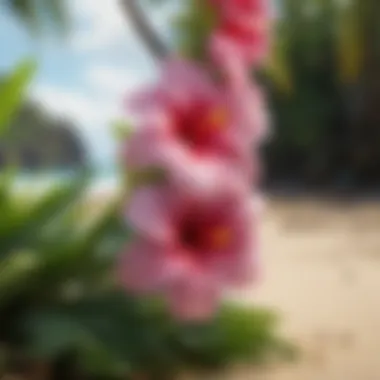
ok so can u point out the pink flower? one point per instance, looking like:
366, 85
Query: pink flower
243, 31
190, 249
200, 133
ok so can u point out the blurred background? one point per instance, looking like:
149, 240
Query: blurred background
66, 67
321, 80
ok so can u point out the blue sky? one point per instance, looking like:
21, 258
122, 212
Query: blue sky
86, 76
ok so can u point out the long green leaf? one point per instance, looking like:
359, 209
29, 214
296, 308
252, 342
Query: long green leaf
84, 254
57, 14
25, 10
22, 226
37, 14
12, 91
16, 273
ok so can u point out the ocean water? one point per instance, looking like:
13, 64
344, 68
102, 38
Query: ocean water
102, 181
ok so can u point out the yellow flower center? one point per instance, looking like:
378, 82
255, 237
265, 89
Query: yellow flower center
220, 237
217, 118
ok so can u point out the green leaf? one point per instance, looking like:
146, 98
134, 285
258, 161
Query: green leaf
16, 272
6, 182
143, 177
278, 67
350, 41
12, 91
193, 27
37, 14
122, 130
57, 12
111, 325
114, 334
237, 334
26, 10
22, 225
85, 254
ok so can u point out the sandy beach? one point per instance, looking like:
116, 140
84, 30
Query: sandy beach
322, 273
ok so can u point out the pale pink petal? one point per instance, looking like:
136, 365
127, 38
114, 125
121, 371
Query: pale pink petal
258, 206
241, 266
238, 154
238, 271
150, 213
188, 172
143, 267
259, 115
179, 83
249, 165
192, 78
143, 100
246, 53
249, 109
143, 148
206, 178
255, 168
228, 57
193, 297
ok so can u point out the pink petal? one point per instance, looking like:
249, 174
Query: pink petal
180, 82
143, 267
249, 110
142, 101
144, 146
237, 271
150, 213
193, 297
240, 263
235, 52
192, 78
228, 57
206, 177
239, 157
189, 173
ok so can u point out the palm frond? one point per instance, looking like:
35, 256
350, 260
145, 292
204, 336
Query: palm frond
39, 14
12, 90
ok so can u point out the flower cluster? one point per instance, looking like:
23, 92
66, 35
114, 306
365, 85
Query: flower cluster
243, 31
197, 227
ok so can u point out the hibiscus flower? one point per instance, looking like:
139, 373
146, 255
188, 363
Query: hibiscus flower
190, 249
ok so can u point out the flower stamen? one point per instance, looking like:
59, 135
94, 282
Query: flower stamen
216, 118
220, 237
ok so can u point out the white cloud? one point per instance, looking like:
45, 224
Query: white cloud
100, 23
64, 102
112, 80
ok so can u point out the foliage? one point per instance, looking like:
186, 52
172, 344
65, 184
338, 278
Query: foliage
58, 298
306, 118
193, 27
59, 303
12, 89
114, 335
41, 14
327, 128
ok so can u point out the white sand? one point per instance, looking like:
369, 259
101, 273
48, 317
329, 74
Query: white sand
322, 273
